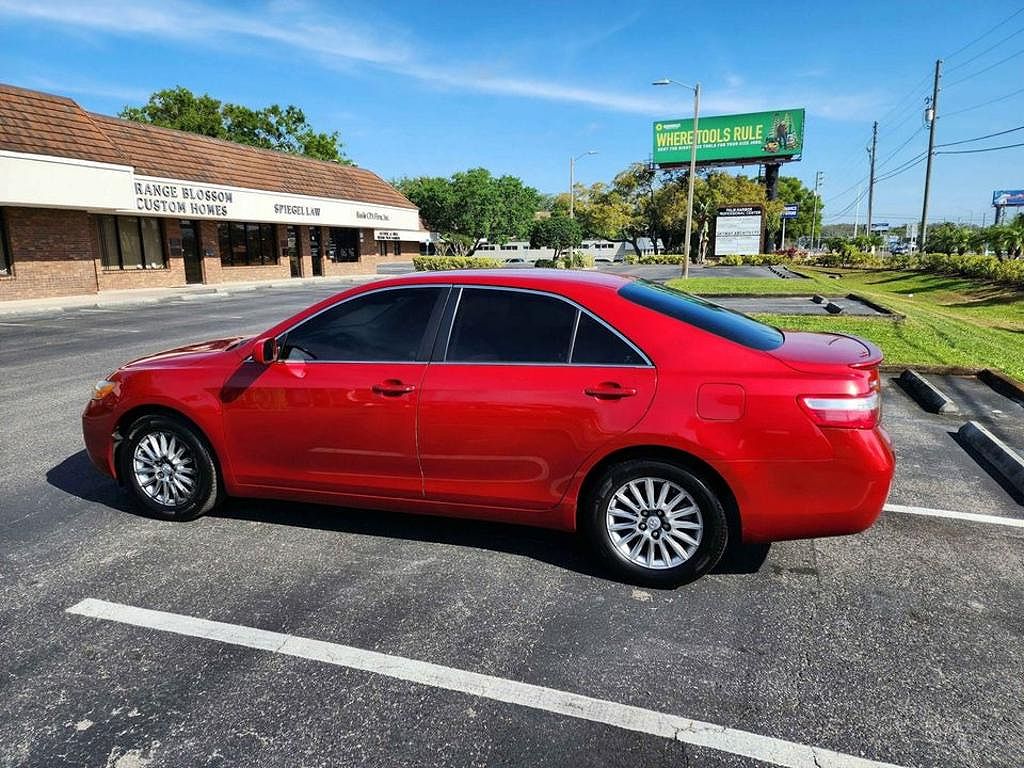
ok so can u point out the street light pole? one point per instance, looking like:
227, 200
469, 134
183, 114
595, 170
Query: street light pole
693, 167
572, 181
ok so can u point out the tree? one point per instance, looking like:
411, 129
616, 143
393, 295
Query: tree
716, 189
473, 206
558, 232
273, 127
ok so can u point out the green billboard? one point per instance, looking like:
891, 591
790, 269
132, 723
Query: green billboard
755, 137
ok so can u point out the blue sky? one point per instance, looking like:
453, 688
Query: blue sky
435, 87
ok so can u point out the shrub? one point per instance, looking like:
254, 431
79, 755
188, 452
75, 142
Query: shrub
544, 263
650, 258
730, 261
439, 263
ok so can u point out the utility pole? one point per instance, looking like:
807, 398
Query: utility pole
814, 216
871, 182
932, 115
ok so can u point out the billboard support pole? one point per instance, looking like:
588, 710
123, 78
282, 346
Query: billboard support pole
771, 192
934, 110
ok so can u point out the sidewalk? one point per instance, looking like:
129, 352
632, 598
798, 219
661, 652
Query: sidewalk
154, 295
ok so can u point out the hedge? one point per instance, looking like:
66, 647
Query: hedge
439, 263
577, 260
661, 258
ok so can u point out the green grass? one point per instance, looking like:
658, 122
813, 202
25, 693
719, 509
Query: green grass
949, 320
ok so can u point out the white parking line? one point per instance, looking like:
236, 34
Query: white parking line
1011, 522
744, 743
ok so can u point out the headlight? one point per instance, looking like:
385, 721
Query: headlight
103, 388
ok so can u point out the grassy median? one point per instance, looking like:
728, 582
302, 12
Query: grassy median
949, 320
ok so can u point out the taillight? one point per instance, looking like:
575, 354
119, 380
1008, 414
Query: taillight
861, 412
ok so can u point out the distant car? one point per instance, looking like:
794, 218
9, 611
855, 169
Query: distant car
602, 260
515, 260
660, 425
897, 249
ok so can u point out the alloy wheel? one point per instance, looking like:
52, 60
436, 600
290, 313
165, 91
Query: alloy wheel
654, 523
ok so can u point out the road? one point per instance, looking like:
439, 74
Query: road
903, 645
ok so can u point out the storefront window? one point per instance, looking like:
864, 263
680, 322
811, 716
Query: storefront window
382, 247
247, 245
343, 244
131, 242
396, 247
5, 249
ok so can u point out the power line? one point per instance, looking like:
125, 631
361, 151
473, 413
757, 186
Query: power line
986, 69
979, 138
900, 147
985, 103
983, 35
905, 167
992, 47
972, 151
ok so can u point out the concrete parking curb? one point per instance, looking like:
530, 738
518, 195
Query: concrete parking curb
1006, 461
927, 395
1003, 384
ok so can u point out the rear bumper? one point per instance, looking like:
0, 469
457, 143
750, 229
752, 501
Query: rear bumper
799, 500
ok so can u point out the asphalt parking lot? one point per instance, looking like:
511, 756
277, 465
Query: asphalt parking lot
458, 643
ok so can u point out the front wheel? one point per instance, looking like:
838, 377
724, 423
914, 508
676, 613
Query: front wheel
655, 523
169, 469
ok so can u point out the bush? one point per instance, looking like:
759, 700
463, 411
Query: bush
439, 263
730, 261
650, 258
544, 263
575, 260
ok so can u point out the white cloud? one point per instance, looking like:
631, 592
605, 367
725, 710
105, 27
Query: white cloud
337, 43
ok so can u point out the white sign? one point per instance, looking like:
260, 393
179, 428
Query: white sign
173, 197
386, 234
738, 231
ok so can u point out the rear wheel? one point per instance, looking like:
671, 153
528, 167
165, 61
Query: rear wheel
655, 523
169, 469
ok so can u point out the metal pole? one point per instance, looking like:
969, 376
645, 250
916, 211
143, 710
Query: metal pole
934, 109
572, 184
693, 173
814, 214
856, 215
871, 182
783, 232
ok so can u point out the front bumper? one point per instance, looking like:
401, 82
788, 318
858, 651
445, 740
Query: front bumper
98, 427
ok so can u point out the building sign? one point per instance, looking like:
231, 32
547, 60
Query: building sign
174, 197
182, 199
790, 211
1008, 197
880, 226
386, 234
738, 230
755, 137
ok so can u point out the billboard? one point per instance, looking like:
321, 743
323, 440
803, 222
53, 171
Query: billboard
738, 230
756, 137
1008, 197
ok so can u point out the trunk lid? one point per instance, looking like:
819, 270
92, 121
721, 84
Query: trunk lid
818, 352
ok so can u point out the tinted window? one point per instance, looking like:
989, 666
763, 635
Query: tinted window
386, 325
703, 314
596, 345
510, 327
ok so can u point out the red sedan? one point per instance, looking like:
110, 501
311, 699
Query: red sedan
660, 425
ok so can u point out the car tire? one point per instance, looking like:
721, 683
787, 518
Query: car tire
654, 523
169, 469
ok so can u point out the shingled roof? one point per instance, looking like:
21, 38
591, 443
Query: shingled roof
45, 124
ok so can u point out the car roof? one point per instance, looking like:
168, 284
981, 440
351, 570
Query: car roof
539, 279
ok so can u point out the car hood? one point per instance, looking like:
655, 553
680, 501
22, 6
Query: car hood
187, 354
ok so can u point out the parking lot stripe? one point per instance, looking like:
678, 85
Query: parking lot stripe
1011, 522
767, 749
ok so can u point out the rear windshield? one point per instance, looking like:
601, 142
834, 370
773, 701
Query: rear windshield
703, 314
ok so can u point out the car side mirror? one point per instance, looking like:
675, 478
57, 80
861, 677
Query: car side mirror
265, 351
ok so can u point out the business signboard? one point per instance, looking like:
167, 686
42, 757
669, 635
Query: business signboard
739, 230
755, 137
880, 226
1012, 197
790, 211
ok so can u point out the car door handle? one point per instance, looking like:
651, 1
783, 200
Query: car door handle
392, 387
609, 390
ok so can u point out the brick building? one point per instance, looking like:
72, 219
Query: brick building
91, 203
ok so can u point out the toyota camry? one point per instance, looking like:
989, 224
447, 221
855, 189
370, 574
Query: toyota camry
659, 425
